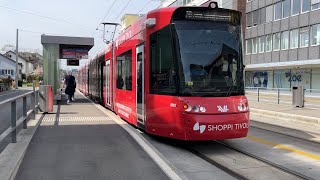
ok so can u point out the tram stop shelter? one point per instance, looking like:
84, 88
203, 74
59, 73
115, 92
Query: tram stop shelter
62, 47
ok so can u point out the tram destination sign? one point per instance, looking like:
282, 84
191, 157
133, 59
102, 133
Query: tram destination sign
229, 17
74, 53
72, 62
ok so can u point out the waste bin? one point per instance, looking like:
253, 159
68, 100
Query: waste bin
46, 98
298, 96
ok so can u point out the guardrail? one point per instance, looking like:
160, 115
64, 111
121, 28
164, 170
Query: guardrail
282, 95
26, 115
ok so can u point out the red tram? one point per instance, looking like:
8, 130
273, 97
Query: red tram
177, 73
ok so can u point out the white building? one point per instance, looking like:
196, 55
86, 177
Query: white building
27, 67
8, 67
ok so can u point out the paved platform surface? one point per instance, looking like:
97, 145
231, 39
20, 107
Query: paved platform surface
78, 141
302, 123
305, 111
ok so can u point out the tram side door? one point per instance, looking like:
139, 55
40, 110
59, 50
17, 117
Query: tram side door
140, 85
108, 88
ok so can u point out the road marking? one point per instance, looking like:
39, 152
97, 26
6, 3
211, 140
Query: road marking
279, 146
149, 149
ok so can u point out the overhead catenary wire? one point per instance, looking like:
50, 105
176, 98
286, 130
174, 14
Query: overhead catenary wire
47, 17
106, 14
46, 33
120, 14
132, 18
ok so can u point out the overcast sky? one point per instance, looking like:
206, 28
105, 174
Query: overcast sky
62, 17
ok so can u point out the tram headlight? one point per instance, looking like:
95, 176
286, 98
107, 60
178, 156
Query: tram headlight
196, 108
202, 109
187, 107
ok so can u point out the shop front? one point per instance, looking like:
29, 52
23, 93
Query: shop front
284, 75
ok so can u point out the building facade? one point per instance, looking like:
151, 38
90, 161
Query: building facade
282, 43
127, 20
7, 67
27, 66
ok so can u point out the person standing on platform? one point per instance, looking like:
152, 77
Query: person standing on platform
71, 87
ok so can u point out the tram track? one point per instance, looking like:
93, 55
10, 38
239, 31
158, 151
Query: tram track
218, 165
279, 167
260, 165
288, 135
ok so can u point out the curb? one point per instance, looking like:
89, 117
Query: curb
12, 156
284, 116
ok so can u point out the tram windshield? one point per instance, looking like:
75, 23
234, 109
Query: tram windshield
209, 58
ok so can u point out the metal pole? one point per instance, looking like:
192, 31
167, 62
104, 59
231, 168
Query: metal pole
33, 101
17, 52
258, 94
14, 121
278, 96
25, 112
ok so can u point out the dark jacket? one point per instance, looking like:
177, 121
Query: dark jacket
71, 85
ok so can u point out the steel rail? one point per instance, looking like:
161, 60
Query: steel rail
216, 164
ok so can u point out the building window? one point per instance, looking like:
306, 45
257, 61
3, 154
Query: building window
255, 18
295, 7
315, 34
249, 19
262, 41
269, 43
259, 79
294, 38
285, 40
286, 4
254, 45
248, 46
124, 71
315, 78
315, 4
277, 11
304, 37
276, 41
262, 15
305, 6
269, 13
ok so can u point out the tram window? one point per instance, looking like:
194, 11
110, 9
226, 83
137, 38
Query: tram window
163, 75
124, 71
